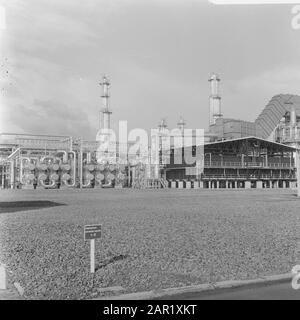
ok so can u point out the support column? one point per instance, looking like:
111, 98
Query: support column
180, 184
259, 184
201, 184
133, 170
298, 171
247, 184
12, 174
2, 177
188, 184
173, 184
195, 184
283, 184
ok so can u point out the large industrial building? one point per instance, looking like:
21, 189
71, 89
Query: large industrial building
235, 154
249, 162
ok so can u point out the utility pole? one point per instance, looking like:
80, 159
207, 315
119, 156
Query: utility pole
80, 164
298, 171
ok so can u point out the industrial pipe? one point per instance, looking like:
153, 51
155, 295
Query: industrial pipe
22, 167
65, 155
99, 178
42, 179
110, 178
89, 177
107, 185
74, 172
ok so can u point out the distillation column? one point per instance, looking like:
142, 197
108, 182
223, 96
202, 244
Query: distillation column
105, 112
214, 99
104, 134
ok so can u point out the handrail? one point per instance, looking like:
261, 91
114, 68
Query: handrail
243, 176
248, 164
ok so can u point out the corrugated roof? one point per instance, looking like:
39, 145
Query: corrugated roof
252, 137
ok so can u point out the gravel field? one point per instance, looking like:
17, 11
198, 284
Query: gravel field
152, 239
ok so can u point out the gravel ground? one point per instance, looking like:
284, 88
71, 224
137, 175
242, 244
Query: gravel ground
151, 239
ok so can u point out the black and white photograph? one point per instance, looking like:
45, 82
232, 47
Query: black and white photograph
149, 153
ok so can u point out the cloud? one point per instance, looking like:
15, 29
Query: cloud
283, 79
158, 55
246, 98
49, 117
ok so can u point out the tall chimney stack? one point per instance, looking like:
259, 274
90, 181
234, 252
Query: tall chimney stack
214, 99
105, 111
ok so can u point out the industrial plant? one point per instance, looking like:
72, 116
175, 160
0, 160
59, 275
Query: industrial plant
234, 154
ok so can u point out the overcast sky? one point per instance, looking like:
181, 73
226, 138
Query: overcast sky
158, 55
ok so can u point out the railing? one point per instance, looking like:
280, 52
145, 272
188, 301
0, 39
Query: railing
246, 177
224, 164
282, 165
155, 183
164, 183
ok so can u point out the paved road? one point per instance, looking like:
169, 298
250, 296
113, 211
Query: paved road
277, 291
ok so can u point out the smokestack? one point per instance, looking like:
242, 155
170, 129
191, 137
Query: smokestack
105, 112
214, 99
181, 124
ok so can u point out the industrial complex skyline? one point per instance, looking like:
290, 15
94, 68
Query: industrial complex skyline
158, 55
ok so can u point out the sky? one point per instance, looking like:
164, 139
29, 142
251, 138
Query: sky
158, 55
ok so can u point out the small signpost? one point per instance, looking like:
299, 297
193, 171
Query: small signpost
92, 232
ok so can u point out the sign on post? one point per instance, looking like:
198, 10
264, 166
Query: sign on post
92, 232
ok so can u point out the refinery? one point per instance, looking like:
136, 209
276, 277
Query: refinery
235, 154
